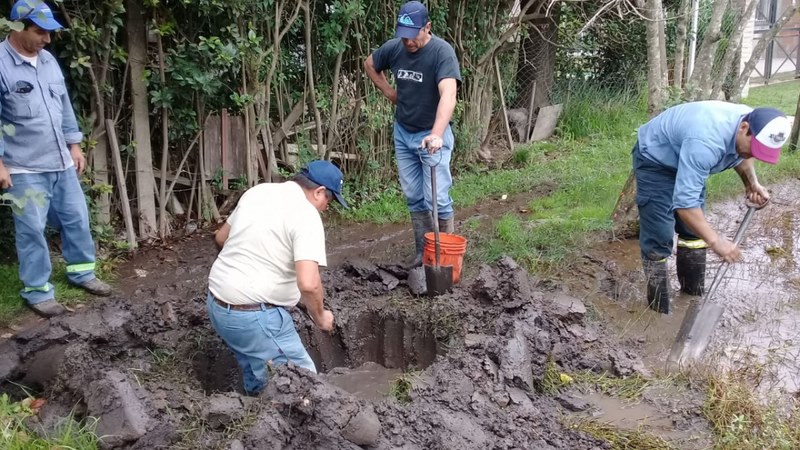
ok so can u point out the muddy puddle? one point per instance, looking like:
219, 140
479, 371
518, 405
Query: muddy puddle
369, 381
759, 333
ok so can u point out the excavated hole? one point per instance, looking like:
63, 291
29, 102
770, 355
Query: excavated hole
393, 342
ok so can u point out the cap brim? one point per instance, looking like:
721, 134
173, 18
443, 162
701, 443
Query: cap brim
46, 23
340, 199
406, 32
763, 153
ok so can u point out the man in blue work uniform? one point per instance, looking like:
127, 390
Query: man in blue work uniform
674, 155
43, 155
427, 75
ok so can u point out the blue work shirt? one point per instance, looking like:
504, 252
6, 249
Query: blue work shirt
694, 140
34, 100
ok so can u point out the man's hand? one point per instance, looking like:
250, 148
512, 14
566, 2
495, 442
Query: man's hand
77, 158
432, 142
757, 195
325, 320
726, 250
5, 177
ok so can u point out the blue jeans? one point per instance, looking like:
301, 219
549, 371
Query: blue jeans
413, 166
64, 207
258, 338
658, 221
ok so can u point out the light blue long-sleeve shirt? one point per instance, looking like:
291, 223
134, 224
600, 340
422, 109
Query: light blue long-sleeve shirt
35, 101
695, 140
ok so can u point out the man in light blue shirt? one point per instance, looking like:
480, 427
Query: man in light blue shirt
43, 156
674, 155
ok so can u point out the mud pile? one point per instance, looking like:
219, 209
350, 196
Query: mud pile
155, 375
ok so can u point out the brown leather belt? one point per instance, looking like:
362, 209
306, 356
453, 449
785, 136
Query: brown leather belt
242, 307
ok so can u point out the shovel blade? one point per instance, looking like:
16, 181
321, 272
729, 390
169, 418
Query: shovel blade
438, 279
695, 334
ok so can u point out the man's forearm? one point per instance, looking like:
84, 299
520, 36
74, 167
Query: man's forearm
444, 112
313, 301
378, 78
696, 221
747, 172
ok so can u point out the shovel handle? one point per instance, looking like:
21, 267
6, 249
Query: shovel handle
737, 239
435, 207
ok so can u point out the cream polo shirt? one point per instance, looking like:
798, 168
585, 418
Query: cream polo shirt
273, 226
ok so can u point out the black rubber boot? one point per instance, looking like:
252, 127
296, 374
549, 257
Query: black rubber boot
447, 225
658, 295
690, 264
422, 223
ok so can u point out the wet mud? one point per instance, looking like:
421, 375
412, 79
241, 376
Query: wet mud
147, 365
758, 336
155, 375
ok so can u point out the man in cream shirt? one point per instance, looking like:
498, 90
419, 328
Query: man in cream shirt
271, 248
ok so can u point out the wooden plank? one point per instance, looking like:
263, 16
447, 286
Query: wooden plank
111, 132
225, 146
528, 124
294, 150
183, 181
282, 132
212, 143
238, 153
502, 96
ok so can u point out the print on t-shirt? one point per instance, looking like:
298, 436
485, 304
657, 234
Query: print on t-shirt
403, 74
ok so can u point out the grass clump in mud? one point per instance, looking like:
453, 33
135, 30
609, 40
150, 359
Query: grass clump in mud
628, 388
402, 386
742, 421
553, 380
15, 435
621, 439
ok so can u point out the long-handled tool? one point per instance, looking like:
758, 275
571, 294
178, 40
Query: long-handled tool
438, 278
702, 317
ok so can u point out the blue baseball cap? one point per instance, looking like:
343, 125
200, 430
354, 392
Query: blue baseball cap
411, 18
770, 129
37, 12
324, 173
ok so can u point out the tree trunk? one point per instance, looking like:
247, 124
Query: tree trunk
794, 138
624, 219
145, 183
312, 95
536, 64
655, 42
701, 78
680, 43
625, 215
162, 201
734, 46
759, 50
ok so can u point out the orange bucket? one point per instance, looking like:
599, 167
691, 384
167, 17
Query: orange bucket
451, 252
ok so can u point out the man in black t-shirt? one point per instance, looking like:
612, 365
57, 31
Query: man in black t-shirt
427, 76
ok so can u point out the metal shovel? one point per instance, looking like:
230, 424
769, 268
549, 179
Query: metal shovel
702, 317
438, 279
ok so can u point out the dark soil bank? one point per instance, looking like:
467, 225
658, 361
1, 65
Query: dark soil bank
155, 375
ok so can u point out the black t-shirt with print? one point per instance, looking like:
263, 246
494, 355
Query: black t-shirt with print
417, 76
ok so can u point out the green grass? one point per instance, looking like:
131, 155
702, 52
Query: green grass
620, 439
783, 96
742, 421
14, 435
12, 305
